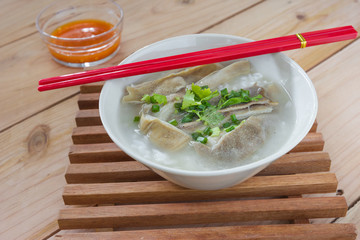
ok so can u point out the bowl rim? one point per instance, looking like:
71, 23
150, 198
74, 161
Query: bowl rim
208, 173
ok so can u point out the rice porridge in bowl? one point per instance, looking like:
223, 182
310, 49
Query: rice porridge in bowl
211, 126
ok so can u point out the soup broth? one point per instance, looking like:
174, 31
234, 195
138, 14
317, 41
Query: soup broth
278, 124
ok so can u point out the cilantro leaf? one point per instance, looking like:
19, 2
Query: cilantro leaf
189, 100
213, 94
155, 98
158, 98
212, 117
200, 92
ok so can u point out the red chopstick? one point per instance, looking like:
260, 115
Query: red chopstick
202, 57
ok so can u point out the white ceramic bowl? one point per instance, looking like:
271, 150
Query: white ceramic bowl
276, 67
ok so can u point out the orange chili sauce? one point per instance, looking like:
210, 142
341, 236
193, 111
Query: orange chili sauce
78, 49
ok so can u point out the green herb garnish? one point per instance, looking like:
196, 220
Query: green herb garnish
196, 101
236, 97
188, 118
199, 137
215, 131
202, 140
226, 125
146, 98
155, 108
212, 117
157, 98
207, 131
229, 129
136, 118
173, 122
196, 135
199, 104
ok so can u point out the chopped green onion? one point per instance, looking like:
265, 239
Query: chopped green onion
229, 129
187, 118
173, 122
202, 140
136, 118
146, 98
201, 107
196, 135
227, 124
207, 131
155, 108
233, 118
224, 92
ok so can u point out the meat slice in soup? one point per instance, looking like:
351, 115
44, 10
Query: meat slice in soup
245, 110
225, 74
171, 83
167, 112
244, 140
209, 110
163, 134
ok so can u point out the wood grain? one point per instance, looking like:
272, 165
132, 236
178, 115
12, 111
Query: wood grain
88, 117
32, 172
279, 18
98, 171
258, 232
338, 116
168, 214
89, 100
109, 172
32, 182
165, 191
100, 152
352, 216
145, 22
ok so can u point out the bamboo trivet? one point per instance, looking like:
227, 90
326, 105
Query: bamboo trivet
112, 191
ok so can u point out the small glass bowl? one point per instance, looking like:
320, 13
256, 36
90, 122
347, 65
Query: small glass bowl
89, 49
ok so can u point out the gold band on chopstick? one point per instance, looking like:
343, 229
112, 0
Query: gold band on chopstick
302, 40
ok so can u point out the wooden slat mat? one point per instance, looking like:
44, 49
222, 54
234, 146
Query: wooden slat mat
115, 197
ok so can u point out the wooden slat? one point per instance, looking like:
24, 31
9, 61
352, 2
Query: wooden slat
89, 100
88, 117
314, 126
91, 88
99, 152
299, 162
89, 135
170, 214
312, 142
109, 172
165, 191
299, 220
257, 232
99, 172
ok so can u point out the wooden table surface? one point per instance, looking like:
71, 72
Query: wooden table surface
35, 128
